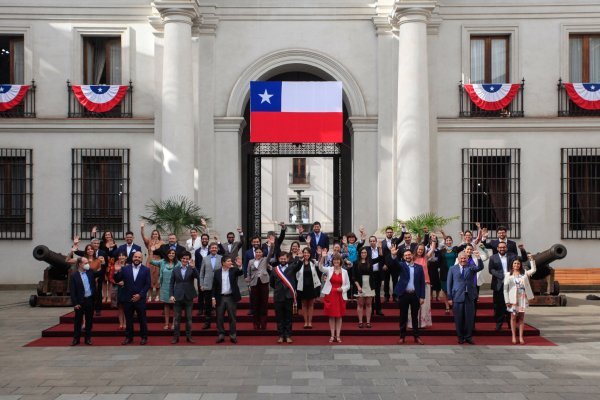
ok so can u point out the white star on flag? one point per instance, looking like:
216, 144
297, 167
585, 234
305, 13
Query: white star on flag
593, 87
1, 89
100, 89
265, 97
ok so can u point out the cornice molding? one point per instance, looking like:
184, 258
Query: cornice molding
363, 124
229, 125
512, 125
78, 126
409, 11
178, 11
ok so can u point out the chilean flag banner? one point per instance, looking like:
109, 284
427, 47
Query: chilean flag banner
585, 95
11, 95
99, 98
296, 112
492, 96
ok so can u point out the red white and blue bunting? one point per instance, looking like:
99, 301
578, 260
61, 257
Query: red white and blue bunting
493, 96
11, 95
585, 95
99, 98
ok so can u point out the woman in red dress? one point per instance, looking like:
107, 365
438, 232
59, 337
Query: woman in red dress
335, 288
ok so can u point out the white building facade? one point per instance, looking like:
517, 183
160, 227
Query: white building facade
413, 140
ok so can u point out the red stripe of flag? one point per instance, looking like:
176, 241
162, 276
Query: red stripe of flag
300, 127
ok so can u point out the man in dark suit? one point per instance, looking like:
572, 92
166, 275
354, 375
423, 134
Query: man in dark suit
283, 282
232, 247
226, 295
462, 294
277, 243
103, 257
172, 244
199, 255
136, 279
82, 290
182, 293
315, 239
511, 246
390, 273
407, 244
210, 263
128, 248
410, 291
499, 265
375, 254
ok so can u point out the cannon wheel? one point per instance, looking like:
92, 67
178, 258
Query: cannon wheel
563, 301
556, 288
33, 300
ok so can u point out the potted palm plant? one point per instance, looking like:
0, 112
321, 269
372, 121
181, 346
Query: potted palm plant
422, 223
174, 215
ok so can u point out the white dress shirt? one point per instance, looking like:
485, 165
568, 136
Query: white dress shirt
225, 286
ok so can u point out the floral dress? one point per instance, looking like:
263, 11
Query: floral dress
522, 302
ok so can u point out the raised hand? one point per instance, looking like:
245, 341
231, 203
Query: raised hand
394, 250
238, 261
203, 222
239, 229
300, 229
521, 246
344, 240
308, 239
530, 256
142, 224
324, 252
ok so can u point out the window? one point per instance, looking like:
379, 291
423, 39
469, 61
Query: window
299, 205
584, 58
491, 189
101, 60
15, 193
490, 59
100, 180
299, 175
12, 64
580, 193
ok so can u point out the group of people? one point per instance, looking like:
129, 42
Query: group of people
347, 270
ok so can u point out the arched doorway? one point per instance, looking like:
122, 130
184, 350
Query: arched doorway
253, 153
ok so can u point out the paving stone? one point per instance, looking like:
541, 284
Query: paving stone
274, 389
183, 396
307, 375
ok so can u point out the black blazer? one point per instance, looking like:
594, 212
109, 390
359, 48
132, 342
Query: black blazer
280, 291
495, 268
493, 244
233, 282
387, 252
76, 288
132, 287
182, 288
357, 274
164, 249
379, 260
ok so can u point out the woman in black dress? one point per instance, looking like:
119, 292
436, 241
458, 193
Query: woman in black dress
309, 286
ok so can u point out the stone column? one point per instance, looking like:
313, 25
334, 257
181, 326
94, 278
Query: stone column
177, 99
412, 160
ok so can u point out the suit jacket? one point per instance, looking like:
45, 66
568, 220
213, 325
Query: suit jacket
458, 284
493, 244
323, 242
387, 255
205, 278
403, 247
123, 248
497, 271
164, 249
76, 288
404, 278
235, 248
379, 259
510, 287
280, 291
182, 288
132, 287
277, 250
217, 284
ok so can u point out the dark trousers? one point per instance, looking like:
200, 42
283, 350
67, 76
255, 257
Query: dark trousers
464, 317
377, 275
87, 310
475, 307
177, 307
138, 307
260, 304
283, 314
409, 300
499, 307
389, 275
228, 304
201, 300
98, 296
207, 295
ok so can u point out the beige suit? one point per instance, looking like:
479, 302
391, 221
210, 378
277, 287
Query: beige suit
510, 288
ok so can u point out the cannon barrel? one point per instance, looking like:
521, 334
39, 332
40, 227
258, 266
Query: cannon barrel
59, 268
555, 252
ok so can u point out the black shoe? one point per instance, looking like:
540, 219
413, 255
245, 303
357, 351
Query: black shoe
250, 312
418, 340
220, 339
395, 298
206, 326
98, 313
200, 313
75, 342
189, 339
379, 313
470, 341
175, 340
143, 341
461, 341
88, 342
126, 341
498, 327
386, 300
233, 340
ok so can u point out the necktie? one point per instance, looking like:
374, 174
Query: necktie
462, 272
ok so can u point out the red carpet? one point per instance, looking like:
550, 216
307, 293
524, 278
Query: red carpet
384, 331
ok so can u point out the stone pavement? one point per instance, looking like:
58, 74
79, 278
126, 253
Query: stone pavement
568, 371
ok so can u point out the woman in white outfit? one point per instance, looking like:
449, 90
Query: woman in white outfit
517, 293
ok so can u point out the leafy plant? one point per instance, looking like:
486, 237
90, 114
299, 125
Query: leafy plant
417, 224
174, 215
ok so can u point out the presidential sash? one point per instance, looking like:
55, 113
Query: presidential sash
289, 285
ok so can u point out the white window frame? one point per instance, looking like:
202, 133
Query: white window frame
565, 32
512, 31
25, 30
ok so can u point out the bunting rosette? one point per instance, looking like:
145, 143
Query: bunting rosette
11, 95
492, 96
99, 98
585, 95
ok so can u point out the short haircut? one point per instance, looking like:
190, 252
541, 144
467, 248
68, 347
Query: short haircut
255, 237
230, 233
501, 228
316, 223
204, 235
121, 253
283, 254
387, 228
213, 244
186, 253
128, 233
224, 259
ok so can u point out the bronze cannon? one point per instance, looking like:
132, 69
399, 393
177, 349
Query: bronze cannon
546, 289
54, 289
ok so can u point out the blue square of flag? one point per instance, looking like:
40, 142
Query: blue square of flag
265, 96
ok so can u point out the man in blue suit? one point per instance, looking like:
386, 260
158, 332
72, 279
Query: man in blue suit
410, 291
315, 239
462, 293
136, 278
128, 248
